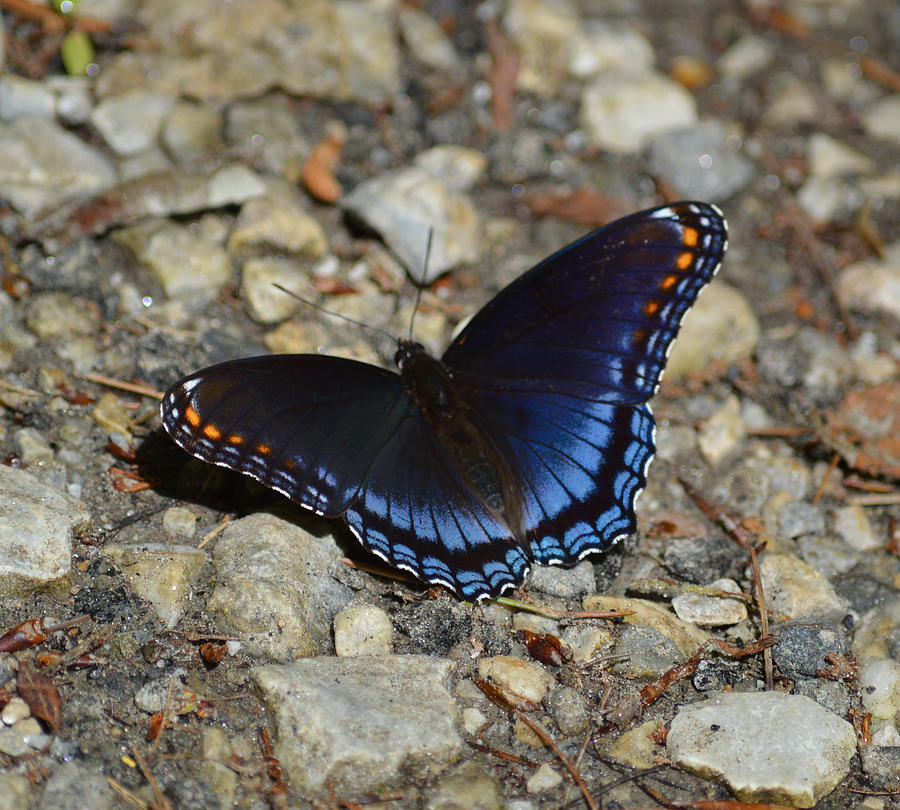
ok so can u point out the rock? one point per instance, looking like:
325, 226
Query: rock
882, 119
426, 40
42, 165
543, 779
570, 710
879, 685
541, 33
803, 646
873, 285
433, 627
711, 611
279, 223
721, 326
362, 629
191, 131
687, 637
852, 525
565, 583
797, 590
36, 525
404, 206
275, 588
25, 98
830, 158
696, 559
364, 723
599, 46
881, 764
723, 434
766, 747
747, 55
190, 268
179, 522
15, 790
73, 785
59, 316
701, 162
267, 304
798, 517
131, 122
466, 788
523, 679
647, 652
456, 166
637, 747
164, 574
623, 113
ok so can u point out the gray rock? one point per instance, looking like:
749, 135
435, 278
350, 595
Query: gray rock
881, 764
36, 524
435, 627
748, 55
570, 710
700, 162
191, 131
767, 747
404, 205
565, 583
711, 611
426, 41
131, 122
275, 588
269, 130
696, 559
798, 517
364, 723
802, 647
43, 165
24, 98
648, 653
75, 785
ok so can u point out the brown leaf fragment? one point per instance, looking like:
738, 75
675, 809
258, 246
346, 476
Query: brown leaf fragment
865, 429
317, 173
546, 648
584, 206
42, 697
24, 635
502, 78
841, 667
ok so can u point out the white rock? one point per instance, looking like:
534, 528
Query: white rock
724, 433
852, 524
363, 630
543, 779
830, 158
767, 747
711, 611
622, 113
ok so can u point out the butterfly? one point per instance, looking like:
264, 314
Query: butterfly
528, 441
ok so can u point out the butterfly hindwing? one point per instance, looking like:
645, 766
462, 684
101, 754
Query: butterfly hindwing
343, 439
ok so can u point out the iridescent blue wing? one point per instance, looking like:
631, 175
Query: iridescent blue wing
343, 439
558, 368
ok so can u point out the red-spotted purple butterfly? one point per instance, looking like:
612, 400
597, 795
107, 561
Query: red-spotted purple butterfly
528, 440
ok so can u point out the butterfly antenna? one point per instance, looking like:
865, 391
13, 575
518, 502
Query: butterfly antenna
334, 314
421, 284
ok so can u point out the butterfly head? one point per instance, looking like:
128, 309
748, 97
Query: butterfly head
407, 349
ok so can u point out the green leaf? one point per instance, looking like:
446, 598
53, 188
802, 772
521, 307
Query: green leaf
77, 52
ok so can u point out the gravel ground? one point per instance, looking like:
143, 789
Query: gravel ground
180, 636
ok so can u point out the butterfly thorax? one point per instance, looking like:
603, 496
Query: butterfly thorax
429, 383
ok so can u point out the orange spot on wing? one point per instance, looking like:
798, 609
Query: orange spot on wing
263, 449
235, 438
668, 282
651, 308
685, 260
192, 416
691, 237
639, 335
212, 432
